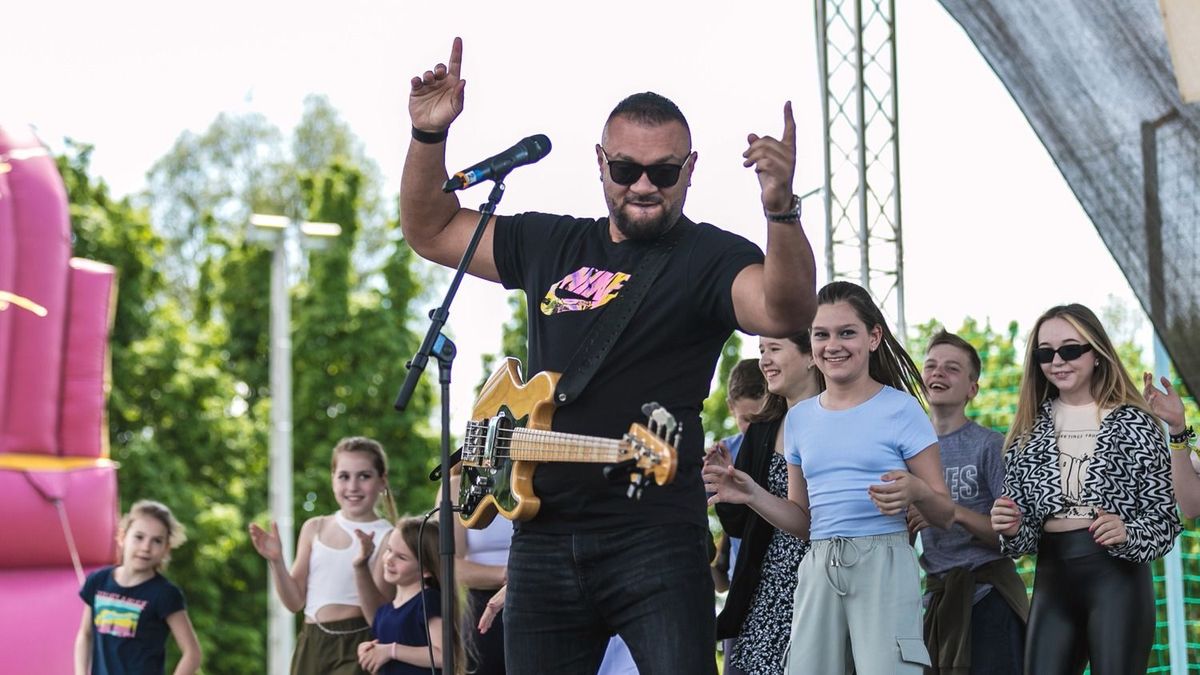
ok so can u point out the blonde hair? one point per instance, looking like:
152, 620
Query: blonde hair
147, 508
1111, 385
378, 457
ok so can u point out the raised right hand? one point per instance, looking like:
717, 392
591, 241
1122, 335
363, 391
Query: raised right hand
266, 543
436, 98
1006, 517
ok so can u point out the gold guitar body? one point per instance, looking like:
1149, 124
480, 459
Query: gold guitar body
509, 435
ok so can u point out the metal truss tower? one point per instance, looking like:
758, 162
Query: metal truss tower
856, 43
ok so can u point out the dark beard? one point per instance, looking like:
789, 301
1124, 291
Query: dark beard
646, 230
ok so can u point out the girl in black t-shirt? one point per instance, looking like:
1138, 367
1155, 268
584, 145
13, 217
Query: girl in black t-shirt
132, 607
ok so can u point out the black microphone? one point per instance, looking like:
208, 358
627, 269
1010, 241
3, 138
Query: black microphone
527, 151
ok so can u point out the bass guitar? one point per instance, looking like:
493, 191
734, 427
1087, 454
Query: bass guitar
509, 435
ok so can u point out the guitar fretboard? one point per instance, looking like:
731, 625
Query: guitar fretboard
537, 445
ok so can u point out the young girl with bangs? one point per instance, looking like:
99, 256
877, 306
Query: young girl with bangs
859, 455
1087, 488
330, 578
132, 607
758, 608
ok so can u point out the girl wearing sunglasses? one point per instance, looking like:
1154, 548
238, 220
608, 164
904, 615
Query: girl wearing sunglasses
1087, 488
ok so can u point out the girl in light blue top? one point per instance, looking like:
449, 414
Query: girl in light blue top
859, 455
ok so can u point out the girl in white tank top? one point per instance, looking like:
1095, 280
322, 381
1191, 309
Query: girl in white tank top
329, 580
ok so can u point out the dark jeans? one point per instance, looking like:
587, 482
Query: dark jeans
568, 593
997, 637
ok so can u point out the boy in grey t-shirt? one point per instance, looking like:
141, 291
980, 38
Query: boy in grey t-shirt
976, 603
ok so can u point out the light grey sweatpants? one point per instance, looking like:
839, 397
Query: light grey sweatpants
858, 607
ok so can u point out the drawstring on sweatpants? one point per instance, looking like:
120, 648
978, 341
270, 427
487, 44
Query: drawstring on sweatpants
835, 557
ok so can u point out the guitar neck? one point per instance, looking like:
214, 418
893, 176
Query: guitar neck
535, 445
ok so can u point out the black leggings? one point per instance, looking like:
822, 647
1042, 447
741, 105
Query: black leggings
1088, 605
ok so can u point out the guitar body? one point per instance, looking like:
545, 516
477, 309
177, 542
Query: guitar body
492, 482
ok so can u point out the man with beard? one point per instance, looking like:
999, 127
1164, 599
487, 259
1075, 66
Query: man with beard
594, 562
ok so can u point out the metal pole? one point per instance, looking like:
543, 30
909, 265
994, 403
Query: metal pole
281, 625
1173, 562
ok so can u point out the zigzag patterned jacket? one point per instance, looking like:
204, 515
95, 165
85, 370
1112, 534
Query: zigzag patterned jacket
1129, 475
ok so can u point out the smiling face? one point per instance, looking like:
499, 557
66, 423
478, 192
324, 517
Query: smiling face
643, 210
842, 343
786, 368
399, 562
144, 545
947, 376
357, 484
1072, 378
742, 409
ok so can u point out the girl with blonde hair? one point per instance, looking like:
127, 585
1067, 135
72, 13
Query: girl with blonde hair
1087, 488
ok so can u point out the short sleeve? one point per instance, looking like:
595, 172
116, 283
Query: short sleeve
993, 463
913, 430
432, 597
88, 592
716, 258
171, 600
517, 238
791, 448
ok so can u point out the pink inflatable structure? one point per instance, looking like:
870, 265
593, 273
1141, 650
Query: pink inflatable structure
58, 489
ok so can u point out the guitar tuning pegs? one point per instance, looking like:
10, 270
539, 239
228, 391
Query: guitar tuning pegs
660, 420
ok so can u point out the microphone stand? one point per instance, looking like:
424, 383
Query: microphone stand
438, 345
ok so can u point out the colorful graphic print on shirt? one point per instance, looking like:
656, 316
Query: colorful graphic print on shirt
584, 289
116, 614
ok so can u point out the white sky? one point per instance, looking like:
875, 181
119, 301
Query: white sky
991, 230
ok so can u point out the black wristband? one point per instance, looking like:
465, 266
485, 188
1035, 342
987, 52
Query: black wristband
428, 137
1183, 436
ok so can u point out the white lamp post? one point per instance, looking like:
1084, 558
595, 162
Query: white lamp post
273, 231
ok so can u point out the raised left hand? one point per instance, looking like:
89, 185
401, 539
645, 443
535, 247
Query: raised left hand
898, 490
775, 163
1166, 403
1108, 529
365, 550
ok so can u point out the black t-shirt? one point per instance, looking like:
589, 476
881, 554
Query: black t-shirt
129, 624
569, 269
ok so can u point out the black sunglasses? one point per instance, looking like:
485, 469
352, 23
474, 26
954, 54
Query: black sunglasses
627, 173
1045, 355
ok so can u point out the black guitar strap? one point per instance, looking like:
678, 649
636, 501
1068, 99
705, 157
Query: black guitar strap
592, 351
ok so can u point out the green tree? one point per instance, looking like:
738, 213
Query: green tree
718, 423
176, 424
351, 343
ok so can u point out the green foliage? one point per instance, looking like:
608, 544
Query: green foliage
1000, 376
175, 428
350, 345
718, 423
